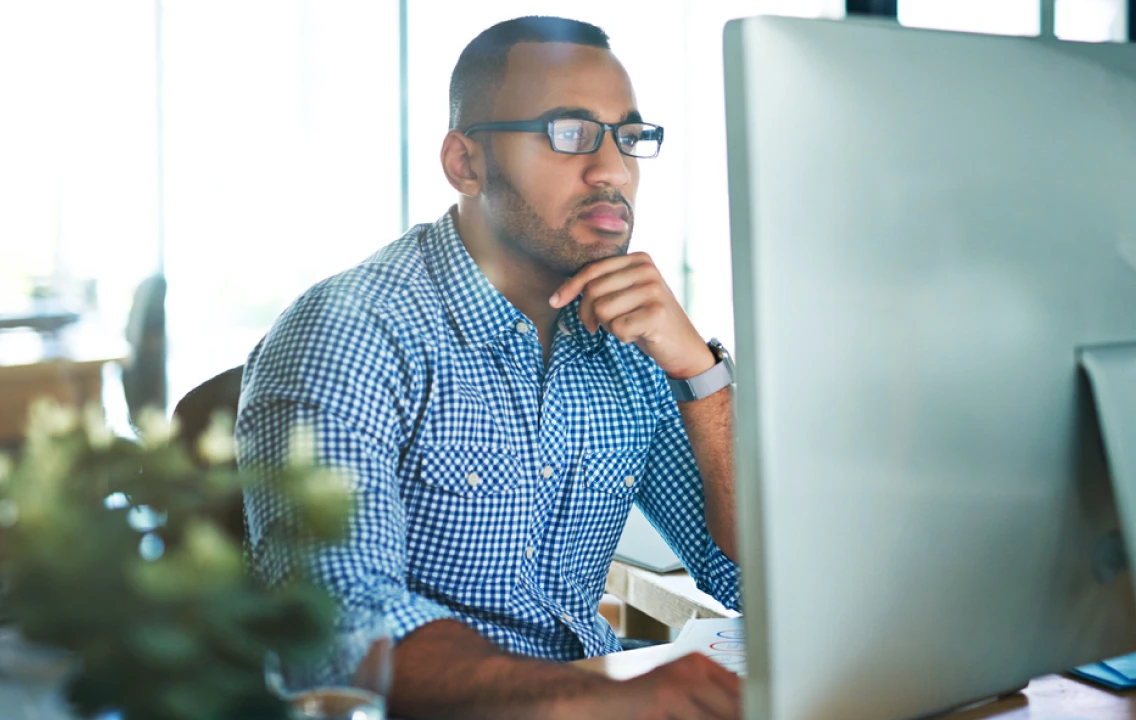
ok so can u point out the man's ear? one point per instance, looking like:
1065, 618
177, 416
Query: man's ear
463, 162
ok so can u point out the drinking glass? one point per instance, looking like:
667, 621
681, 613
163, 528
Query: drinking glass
339, 702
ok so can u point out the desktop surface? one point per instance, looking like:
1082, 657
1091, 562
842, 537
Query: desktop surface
925, 227
1052, 697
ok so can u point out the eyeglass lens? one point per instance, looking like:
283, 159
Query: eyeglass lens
571, 135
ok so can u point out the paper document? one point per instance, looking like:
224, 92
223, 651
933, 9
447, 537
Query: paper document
720, 639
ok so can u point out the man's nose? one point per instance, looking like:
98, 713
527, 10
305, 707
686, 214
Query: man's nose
608, 166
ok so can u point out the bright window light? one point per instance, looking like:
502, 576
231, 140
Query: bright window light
802, 8
1091, 20
996, 17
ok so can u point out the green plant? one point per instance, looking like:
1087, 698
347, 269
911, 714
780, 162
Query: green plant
111, 549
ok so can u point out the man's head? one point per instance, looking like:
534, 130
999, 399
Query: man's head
559, 210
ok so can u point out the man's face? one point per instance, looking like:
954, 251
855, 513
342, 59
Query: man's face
561, 211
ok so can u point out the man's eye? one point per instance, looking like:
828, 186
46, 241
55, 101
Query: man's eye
573, 134
631, 140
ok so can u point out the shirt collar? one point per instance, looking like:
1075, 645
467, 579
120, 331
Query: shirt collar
478, 310
569, 321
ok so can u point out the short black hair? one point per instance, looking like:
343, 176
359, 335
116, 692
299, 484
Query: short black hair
481, 67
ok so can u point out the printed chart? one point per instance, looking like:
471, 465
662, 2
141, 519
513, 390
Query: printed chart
720, 639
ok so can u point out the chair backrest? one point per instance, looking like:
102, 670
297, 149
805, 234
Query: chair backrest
144, 375
193, 414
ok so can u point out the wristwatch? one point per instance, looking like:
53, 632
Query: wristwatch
707, 383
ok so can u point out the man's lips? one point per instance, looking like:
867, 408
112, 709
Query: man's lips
607, 217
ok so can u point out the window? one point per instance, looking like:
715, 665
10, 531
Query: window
281, 162
77, 151
280, 140
1083, 20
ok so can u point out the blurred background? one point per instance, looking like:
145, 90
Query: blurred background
174, 173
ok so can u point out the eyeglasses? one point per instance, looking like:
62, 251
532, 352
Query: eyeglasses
576, 136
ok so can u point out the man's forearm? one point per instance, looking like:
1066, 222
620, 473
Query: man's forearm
709, 424
446, 670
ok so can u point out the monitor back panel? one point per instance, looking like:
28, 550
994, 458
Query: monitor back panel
926, 225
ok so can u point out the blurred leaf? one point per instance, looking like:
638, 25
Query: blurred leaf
182, 636
166, 645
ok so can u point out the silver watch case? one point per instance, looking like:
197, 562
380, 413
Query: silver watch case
707, 383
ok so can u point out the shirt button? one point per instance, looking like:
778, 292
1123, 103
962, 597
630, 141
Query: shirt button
522, 327
629, 480
563, 328
530, 551
567, 618
473, 479
546, 472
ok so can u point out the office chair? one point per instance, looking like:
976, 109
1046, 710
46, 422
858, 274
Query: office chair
193, 414
144, 375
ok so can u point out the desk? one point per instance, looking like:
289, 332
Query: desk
655, 602
69, 371
1052, 697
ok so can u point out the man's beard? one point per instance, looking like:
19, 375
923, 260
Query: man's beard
518, 226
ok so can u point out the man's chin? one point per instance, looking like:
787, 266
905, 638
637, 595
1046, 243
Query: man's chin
600, 244
590, 253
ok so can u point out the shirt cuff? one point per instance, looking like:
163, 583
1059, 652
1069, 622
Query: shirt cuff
722, 578
356, 631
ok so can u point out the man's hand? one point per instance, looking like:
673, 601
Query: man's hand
694, 687
627, 296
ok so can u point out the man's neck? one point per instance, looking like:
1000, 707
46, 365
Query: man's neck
523, 283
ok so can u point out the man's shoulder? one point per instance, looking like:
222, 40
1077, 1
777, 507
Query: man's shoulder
392, 289
381, 307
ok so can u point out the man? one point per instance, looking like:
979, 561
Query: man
500, 384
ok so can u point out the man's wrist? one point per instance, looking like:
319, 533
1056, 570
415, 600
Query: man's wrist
703, 361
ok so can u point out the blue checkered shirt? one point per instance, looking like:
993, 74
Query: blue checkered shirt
489, 489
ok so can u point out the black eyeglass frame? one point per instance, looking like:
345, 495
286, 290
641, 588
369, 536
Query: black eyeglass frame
545, 126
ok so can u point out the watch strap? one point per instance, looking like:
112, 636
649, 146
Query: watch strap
702, 385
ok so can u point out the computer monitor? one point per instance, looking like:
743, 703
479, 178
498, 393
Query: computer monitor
926, 227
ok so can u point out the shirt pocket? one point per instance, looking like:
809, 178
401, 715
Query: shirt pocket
609, 483
614, 472
467, 514
473, 472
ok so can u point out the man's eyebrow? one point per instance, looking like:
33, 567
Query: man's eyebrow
585, 114
568, 112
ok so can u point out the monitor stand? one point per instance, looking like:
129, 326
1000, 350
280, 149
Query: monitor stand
1111, 372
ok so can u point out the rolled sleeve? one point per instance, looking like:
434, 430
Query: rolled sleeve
722, 578
366, 573
401, 614
672, 500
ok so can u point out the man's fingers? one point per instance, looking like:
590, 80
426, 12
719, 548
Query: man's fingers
697, 687
624, 277
728, 681
721, 695
574, 285
633, 326
715, 704
598, 291
609, 308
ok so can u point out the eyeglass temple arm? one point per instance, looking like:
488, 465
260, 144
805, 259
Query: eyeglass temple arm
517, 126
